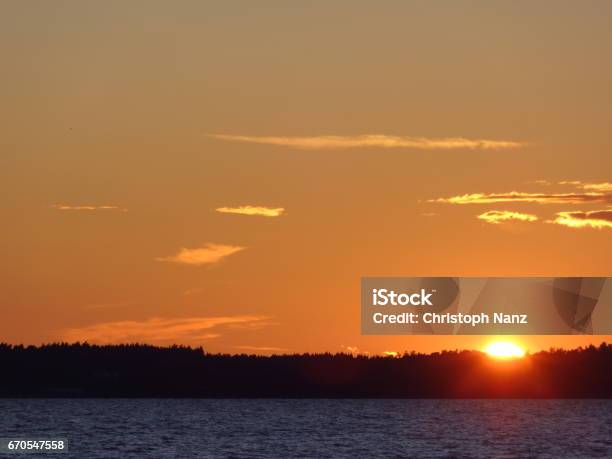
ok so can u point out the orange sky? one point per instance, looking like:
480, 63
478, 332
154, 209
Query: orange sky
223, 173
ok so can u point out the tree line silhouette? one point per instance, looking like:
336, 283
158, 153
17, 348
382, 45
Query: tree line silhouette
138, 370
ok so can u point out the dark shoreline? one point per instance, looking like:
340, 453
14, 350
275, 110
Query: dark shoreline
142, 371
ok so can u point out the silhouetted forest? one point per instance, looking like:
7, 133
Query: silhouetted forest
83, 370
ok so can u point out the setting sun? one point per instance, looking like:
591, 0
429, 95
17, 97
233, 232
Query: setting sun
505, 350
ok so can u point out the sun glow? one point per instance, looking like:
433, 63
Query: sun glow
505, 350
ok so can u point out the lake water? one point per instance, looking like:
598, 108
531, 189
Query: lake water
314, 428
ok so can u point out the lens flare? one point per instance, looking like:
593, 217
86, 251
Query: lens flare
505, 350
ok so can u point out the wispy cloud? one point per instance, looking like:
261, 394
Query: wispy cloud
209, 254
87, 207
262, 348
253, 210
587, 193
500, 216
594, 219
517, 196
374, 141
590, 186
353, 350
156, 330
605, 186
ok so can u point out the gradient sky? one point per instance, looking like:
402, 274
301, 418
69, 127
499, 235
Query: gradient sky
138, 137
